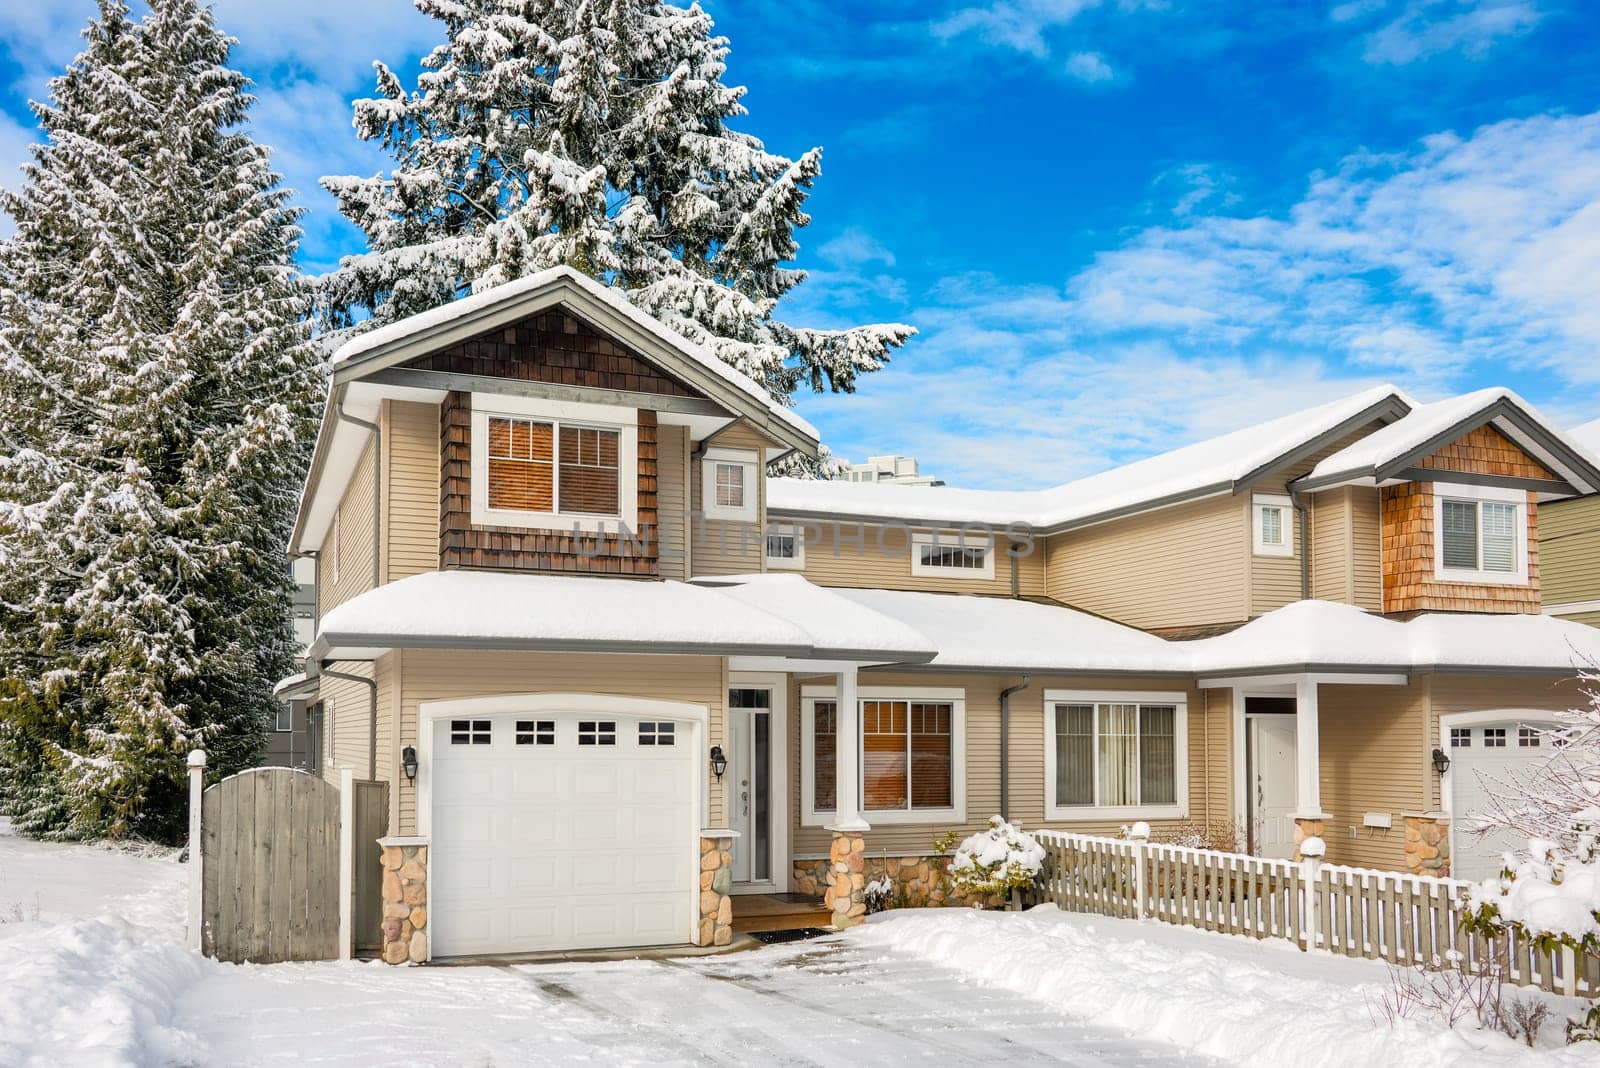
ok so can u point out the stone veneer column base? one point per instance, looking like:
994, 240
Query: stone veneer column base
1308, 827
405, 900
847, 883
716, 885
1428, 843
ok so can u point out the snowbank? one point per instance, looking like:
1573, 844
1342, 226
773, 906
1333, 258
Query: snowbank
92, 992
1245, 1002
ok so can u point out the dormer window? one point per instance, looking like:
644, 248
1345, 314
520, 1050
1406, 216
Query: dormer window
551, 464
1272, 520
730, 488
1480, 534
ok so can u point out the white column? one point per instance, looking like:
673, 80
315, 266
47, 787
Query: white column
847, 758
1308, 784
197, 857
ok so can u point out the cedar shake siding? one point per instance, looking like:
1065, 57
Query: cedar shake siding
1409, 582
1486, 451
463, 545
558, 348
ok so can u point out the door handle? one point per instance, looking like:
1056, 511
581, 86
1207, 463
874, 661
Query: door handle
745, 797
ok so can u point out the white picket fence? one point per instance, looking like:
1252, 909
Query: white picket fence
1352, 912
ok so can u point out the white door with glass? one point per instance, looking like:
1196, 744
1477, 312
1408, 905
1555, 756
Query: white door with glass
1272, 784
751, 743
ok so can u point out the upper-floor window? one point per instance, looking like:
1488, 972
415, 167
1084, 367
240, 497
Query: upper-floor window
1272, 522
961, 555
562, 465
786, 548
730, 488
1480, 534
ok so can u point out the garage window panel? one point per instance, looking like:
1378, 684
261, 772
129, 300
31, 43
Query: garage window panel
1460, 737
1529, 737
471, 732
597, 732
1494, 737
536, 732
657, 733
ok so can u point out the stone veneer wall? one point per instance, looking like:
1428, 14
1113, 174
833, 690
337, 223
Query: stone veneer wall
716, 882
919, 882
1428, 843
405, 902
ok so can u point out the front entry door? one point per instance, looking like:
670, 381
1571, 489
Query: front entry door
1272, 785
749, 780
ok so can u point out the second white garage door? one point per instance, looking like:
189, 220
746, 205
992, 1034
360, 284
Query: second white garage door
1488, 759
559, 831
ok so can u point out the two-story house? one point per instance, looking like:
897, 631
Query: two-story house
621, 682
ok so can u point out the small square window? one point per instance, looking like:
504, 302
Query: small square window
1273, 523
1460, 738
536, 732
597, 732
657, 734
470, 732
1494, 737
1529, 737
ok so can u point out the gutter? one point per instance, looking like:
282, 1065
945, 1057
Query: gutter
1005, 745
372, 722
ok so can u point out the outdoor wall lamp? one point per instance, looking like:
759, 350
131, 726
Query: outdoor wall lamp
719, 762
1441, 763
408, 762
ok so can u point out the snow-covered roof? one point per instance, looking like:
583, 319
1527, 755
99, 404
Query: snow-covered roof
1427, 426
1587, 436
1312, 635
290, 687
496, 298
1216, 465
489, 610
830, 617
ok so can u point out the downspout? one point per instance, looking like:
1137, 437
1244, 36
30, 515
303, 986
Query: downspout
1005, 745
372, 723
1304, 513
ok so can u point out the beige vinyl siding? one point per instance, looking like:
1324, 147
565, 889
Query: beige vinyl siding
1591, 619
353, 540
1345, 547
727, 547
347, 721
672, 499
1367, 545
1177, 567
1208, 743
881, 559
1372, 761
411, 532
1274, 580
1569, 550
438, 675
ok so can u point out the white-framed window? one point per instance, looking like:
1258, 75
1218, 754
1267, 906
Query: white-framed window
1111, 755
471, 731
283, 717
536, 732
913, 754
561, 465
1272, 524
786, 547
1480, 534
953, 554
728, 484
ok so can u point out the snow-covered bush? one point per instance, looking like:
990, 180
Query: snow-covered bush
998, 860
878, 892
1219, 835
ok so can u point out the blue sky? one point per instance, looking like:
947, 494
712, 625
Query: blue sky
1119, 226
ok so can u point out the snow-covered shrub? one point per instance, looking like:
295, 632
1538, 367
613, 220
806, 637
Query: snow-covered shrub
878, 893
1219, 835
998, 860
1447, 990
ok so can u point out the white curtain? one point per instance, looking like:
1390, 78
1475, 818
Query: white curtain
1119, 755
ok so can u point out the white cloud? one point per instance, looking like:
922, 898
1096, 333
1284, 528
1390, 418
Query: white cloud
1089, 67
1015, 24
1429, 28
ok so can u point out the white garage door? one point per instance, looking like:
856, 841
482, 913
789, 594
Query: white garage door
561, 831
1483, 759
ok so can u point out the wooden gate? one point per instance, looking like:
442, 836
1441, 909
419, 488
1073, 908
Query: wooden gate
270, 884
371, 819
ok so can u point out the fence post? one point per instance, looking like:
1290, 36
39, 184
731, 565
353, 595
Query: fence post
347, 852
1311, 852
1138, 835
197, 856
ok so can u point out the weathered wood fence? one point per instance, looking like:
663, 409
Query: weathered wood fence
285, 866
1353, 912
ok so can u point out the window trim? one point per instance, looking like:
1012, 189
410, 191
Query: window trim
1259, 503
285, 710
959, 539
624, 421
1480, 495
954, 696
1179, 809
797, 562
747, 459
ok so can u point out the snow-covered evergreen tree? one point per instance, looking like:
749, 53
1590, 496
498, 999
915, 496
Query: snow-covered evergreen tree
593, 133
157, 387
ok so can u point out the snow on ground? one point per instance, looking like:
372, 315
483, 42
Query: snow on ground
1241, 1001
100, 977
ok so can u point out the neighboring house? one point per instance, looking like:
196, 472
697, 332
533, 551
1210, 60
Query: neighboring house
1570, 544
290, 740
898, 469
614, 673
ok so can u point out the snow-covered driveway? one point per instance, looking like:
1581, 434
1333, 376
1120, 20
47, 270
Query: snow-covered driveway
826, 1002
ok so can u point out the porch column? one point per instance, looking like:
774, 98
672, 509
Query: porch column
847, 879
1308, 814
